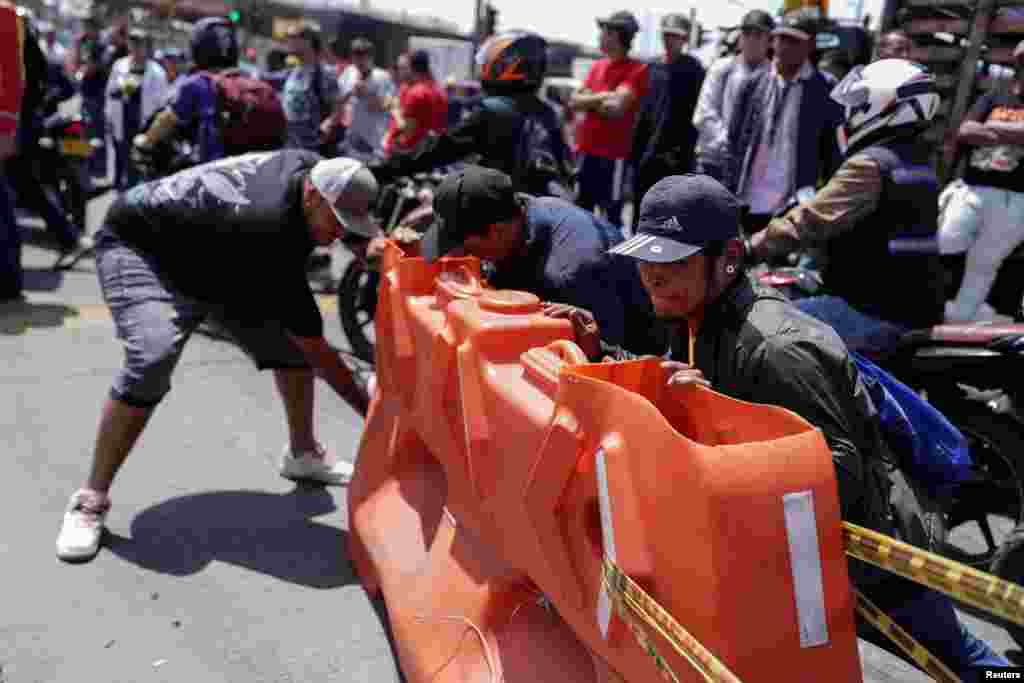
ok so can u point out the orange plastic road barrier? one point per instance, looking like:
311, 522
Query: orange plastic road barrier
498, 466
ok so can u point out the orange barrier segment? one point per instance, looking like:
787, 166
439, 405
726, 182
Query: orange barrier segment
725, 512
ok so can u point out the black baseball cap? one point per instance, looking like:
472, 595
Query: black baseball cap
758, 20
680, 216
623, 21
799, 24
675, 24
465, 202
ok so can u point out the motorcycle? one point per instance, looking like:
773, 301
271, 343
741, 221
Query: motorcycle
405, 210
61, 164
970, 373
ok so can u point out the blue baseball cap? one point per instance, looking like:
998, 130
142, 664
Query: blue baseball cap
680, 216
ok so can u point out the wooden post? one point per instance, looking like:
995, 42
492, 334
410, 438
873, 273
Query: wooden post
968, 76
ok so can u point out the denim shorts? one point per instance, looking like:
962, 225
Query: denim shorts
154, 321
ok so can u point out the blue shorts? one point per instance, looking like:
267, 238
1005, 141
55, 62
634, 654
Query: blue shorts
602, 183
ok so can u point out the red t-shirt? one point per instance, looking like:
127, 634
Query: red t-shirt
423, 102
611, 138
12, 70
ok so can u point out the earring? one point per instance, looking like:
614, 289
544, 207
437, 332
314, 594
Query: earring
730, 269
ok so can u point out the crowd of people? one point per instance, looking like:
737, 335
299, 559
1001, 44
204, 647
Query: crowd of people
133, 94
712, 159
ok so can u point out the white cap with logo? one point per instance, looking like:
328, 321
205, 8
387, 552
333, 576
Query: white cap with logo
342, 176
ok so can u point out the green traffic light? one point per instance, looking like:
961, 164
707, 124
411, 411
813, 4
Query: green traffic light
235, 16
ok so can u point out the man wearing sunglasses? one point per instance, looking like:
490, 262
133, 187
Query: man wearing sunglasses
881, 202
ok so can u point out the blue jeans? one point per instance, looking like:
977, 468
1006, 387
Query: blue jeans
11, 277
29, 194
929, 617
95, 116
860, 332
602, 184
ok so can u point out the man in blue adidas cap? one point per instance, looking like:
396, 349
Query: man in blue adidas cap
751, 343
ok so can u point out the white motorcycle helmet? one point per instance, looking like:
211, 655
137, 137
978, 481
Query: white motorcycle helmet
884, 94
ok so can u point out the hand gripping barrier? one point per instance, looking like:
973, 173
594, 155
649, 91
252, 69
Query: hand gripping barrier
497, 467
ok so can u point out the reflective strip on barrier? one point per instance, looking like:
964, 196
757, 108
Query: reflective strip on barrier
904, 641
604, 607
958, 581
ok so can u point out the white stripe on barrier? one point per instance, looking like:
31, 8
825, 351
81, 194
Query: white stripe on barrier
604, 607
805, 562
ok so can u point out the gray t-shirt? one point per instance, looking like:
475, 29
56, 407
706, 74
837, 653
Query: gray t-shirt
368, 126
303, 109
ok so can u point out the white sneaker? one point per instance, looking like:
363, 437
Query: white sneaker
80, 534
311, 465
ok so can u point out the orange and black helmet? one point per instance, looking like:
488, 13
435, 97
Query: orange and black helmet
512, 61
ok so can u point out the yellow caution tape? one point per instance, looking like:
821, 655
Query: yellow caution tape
984, 591
637, 608
904, 641
958, 581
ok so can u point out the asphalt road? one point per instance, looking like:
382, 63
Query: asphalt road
215, 569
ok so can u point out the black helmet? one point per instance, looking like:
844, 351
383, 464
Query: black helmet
512, 61
213, 44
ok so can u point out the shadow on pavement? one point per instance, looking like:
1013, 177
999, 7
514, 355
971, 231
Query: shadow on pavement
17, 317
265, 532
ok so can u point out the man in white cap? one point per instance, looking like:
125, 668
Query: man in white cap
167, 257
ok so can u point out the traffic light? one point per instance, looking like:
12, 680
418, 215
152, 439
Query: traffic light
235, 16
490, 20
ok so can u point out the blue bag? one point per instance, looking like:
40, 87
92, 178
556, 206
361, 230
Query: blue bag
931, 450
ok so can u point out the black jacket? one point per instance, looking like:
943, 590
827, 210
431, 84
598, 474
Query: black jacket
491, 130
817, 154
665, 137
907, 208
754, 345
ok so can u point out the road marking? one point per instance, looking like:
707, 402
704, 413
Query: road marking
23, 316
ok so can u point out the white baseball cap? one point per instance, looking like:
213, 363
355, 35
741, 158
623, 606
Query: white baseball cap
342, 176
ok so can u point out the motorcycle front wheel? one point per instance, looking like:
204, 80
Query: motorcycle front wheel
357, 306
991, 503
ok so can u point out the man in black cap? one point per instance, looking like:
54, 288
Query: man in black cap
543, 245
752, 344
721, 86
609, 99
782, 135
664, 137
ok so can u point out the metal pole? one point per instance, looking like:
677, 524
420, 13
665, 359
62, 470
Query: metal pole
968, 76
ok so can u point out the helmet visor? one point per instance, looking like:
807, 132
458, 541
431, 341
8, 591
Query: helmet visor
852, 91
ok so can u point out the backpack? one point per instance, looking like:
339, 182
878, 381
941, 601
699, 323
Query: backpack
536, 162
251, 118
929, 448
